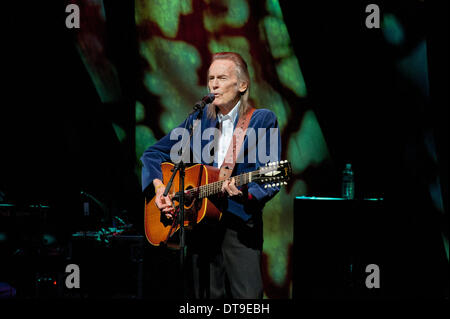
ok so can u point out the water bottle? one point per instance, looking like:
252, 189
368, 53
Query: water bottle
348, 183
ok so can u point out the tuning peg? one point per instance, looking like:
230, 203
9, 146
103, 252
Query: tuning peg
285, 183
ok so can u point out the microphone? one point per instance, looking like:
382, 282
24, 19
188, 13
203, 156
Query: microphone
205, 100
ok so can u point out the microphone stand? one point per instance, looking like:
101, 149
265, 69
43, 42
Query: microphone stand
180, 167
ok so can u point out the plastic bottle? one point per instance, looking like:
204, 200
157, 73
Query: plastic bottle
348, 182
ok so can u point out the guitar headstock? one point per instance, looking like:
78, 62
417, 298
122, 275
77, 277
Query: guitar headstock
274, 174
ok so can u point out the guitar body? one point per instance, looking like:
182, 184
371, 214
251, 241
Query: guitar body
202, 182
158, 228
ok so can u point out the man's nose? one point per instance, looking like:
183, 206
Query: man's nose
215, 84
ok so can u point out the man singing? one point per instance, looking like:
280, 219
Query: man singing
225, 257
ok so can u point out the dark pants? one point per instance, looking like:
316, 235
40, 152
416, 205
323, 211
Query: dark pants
226, 259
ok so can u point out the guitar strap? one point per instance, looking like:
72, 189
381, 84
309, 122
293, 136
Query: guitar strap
236, 142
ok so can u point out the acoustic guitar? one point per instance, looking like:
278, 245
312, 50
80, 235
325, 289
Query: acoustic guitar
201, 183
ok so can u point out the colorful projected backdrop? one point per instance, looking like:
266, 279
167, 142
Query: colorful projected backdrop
175, 40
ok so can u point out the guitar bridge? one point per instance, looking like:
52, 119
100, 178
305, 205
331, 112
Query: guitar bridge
190, 216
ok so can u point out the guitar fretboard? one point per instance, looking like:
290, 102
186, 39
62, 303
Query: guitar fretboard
216, 187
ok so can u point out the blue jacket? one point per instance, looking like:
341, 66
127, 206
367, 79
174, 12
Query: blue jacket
262, 118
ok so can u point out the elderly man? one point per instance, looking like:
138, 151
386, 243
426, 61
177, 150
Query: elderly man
226, 257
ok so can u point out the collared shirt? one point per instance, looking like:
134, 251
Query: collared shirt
226, 128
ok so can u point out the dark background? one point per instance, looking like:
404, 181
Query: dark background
57, 137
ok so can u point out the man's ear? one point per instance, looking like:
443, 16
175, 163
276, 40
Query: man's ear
243, 87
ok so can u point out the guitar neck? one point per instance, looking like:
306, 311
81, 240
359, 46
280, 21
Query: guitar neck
271, 175
216, 187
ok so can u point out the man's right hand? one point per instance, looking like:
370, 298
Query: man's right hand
164, 203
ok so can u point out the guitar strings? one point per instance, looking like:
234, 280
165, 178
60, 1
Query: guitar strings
215, 187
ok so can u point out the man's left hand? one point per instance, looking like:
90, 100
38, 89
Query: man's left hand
229, 187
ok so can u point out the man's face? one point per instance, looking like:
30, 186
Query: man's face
224, 83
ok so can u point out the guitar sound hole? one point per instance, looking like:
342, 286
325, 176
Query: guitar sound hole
189, 198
